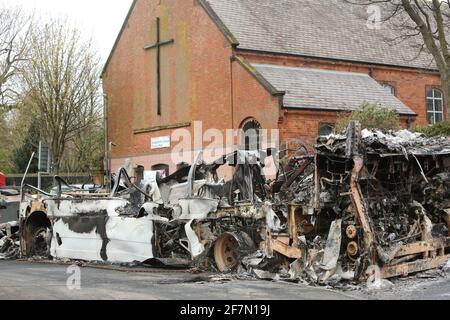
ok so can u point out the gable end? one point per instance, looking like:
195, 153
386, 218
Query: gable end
125, 23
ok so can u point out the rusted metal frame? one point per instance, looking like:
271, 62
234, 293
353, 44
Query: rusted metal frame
317, 187
424, 246
361, 209
280, 244
274, 243
268, 243
405, 259
412, 267
285, 250
293, 232
353, 148
24, 239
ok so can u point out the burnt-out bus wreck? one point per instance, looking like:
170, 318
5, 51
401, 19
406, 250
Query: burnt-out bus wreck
365, 202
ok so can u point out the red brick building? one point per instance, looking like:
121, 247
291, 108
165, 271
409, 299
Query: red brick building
291, 65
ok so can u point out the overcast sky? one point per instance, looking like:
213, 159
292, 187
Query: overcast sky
100, 20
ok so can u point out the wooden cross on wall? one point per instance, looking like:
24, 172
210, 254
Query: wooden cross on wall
158, 46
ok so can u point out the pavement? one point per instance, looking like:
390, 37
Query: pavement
40, 281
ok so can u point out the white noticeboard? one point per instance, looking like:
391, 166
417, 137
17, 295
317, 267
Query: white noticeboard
160, 142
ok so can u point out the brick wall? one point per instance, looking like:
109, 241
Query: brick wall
196, 77
304, 125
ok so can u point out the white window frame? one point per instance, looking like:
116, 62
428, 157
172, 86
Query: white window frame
434, 99
392, 88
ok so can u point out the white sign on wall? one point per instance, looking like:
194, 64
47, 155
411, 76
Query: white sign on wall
160, 142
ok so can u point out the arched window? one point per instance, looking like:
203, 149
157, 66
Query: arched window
435, 106
162, 169
252, 135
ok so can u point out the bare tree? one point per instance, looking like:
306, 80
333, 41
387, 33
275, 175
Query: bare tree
427, 20
62, 85
15, 29
86, 151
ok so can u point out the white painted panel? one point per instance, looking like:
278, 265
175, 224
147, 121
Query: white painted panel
130, 239
82, 246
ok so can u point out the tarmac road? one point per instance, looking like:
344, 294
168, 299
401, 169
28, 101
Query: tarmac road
37, 281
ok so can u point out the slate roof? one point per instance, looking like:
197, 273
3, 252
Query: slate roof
328, 90
332, 29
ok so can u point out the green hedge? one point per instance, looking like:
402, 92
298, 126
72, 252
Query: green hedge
439, 129
371, 116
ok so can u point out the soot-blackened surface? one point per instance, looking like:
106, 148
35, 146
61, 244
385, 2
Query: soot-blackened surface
86, 222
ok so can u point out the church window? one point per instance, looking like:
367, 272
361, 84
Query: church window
435, 103
252, 135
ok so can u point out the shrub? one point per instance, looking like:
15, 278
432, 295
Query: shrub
371, 116
439, 129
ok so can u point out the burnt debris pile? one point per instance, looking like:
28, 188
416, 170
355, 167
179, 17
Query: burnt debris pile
366, 205
9, 240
